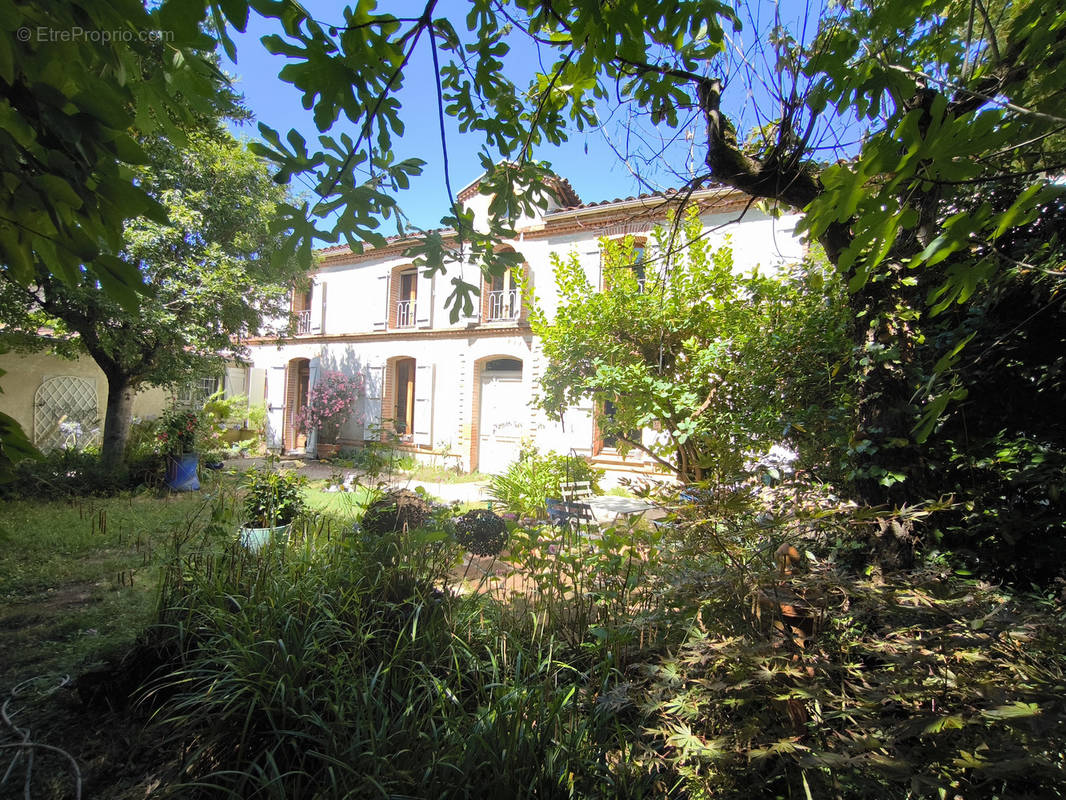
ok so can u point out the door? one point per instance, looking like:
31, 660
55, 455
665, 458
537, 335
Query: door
504, 405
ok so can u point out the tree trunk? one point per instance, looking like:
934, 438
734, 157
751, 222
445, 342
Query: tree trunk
117, 420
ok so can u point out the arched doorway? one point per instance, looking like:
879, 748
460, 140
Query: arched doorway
297, 383
502, 405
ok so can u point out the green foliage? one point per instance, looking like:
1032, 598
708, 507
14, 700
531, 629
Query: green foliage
73, 109
209, 270
721, 364
272, 497
178, 431
527, 483
77, 473
481, 532
327, 671
397, 510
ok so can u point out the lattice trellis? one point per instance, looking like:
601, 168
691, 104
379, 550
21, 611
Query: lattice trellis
65, 413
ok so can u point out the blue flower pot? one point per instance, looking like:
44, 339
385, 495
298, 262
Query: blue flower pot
181, 472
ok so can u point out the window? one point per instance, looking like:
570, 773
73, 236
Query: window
301, 309
502, 299
610, 441
406, 299
195, 393
403, 415
626, 254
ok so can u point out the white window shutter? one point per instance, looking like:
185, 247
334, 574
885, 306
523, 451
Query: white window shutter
375, 384
423, 432
318, 307
256, 386
474, 317
275, 399
313, 371
317, 292
236, 381
424, 300
380, 302
592, 263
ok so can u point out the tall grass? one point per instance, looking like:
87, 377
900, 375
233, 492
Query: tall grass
340, 667
644, 663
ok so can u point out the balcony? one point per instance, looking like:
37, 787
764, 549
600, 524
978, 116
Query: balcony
405, 314
504, 304
303, 321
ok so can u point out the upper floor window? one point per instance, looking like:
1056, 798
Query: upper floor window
501, 298
301, 309
406, 299
624, 260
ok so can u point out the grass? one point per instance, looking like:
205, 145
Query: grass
78, 578
337, 665
438, 474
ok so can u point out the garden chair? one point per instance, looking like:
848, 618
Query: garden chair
575, 516
576, 491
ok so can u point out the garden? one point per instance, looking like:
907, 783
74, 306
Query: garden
378, 643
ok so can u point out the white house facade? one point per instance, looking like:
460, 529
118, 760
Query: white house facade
463, 391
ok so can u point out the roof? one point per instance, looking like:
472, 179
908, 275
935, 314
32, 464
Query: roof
647, 202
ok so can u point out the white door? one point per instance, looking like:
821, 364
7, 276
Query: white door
504, 406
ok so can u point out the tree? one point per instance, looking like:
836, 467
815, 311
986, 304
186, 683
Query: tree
208, 270
721, 364
953, 108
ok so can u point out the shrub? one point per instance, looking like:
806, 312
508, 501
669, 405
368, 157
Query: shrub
330, 405
272, 498
481, 532
399, 509
74, 473
535, 477
179, 430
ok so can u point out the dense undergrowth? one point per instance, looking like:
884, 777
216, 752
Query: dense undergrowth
678, 661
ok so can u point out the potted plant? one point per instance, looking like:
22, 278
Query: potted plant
272, 501
177, 434
330, 405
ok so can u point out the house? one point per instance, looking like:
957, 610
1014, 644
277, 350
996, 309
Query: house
463, 389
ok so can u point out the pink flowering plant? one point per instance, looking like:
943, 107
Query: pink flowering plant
330, 405
177, 431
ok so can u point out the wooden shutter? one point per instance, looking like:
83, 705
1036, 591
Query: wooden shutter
424, 300
256, 386
375, 386
236, 381
315, 307
318, 307
313, 371
474, 317
423, 432
275, 399
380, 302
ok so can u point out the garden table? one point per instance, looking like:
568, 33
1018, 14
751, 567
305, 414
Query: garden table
607, 508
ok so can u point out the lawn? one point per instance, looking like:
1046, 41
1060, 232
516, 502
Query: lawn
79, 578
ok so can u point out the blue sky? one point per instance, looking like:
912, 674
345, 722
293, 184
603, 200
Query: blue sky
587, 160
